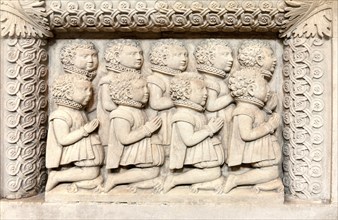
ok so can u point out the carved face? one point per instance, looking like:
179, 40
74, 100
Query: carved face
86, 59
260, 89
199, 92
131, 57
267, 60
223, 59
177, 58
140, 91
82, 92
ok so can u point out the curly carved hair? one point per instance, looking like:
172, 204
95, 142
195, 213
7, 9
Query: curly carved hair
68, 52
121, 86
180, 85
63, 85
240, 80
115, 47
249, 50
160, 51
205, 50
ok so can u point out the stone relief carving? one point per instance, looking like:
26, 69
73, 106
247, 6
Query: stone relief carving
252, 140
130, 133
25, 117
307, 30
308, 19
315, 186
214, 60
74, 152
229, 16
184, 135
303, 116
192, 142
120, 56
80, 58
24, 19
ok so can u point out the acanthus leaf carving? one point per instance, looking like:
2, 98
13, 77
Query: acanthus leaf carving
24, 19
307, 18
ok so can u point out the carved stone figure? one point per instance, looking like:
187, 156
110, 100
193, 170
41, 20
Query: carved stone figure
74, 152
121, 56
168, 58
252, 139
257, 53
80, 57
130, 147
214, 60
193, 142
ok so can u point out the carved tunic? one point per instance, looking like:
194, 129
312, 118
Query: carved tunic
163, 135
226, 113
250, 152
88, 151
142, 153
102, 113
207, 153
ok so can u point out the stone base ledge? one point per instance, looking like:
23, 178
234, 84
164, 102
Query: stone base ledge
37, 208
178, 195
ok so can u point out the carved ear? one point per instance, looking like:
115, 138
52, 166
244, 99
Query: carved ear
117, 56
211, 58
259, 60
69, 96
251, 89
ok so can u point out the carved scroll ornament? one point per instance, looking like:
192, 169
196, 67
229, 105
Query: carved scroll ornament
227, 16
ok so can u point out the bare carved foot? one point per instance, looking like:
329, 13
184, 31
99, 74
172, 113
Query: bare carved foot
109, 184
195, 188
275, 184
132, 188
99, 189
168, 184
72, 188
52, 181
158, 184
230, 184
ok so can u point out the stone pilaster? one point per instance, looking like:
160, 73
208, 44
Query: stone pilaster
23, 98
307, 104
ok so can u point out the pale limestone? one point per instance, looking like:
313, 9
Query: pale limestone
310, 173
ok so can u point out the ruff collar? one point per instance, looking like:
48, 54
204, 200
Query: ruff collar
121, 69
68, 103
189, 104
165, 70
211, 70
251, 100
130, 103
82, 73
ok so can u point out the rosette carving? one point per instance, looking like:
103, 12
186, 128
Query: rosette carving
24, 19
308, 19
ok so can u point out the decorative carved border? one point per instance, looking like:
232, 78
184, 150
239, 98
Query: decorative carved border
304, 25
227, 16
